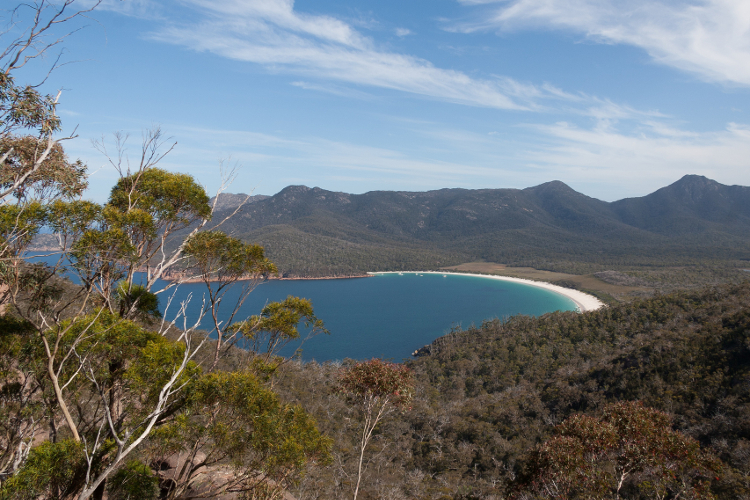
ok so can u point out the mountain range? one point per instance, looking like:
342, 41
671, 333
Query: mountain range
312, 231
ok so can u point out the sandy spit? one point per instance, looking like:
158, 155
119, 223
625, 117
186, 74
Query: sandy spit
583, 301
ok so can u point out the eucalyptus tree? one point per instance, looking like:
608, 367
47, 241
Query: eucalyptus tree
628, 448
31, 157
113, 382
378, 389
93, 362
34, 171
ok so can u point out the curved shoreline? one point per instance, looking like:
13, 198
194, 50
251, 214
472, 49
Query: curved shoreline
184, 281
584, 302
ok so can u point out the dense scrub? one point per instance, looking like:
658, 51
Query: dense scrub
488, 396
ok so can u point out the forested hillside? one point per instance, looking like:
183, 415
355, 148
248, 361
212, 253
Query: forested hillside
104, 396
487, 397
551, 226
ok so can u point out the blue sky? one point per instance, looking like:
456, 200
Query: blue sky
616, 98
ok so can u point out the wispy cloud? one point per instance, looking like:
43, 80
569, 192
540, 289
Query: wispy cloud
710, 38
612, 162
274, 34
606, 114
146, 9
318, 151
641, 162
333, 89
607, 163
271, 162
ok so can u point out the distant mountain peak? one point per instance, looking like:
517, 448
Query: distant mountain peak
551, 186
691, 188
553, 189
313, 230
695, 181
556, 183
293, 190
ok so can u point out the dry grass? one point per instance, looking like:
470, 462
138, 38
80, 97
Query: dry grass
587, 282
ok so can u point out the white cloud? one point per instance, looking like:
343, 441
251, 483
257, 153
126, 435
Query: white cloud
710, 38
333, 89
317, 151
604, 163
272, 33
145, 9
403, 32
641, 162
271, 162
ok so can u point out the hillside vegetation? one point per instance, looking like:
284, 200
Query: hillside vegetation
488, 396
311, 231
102, 398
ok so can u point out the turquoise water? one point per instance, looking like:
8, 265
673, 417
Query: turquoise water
389, 315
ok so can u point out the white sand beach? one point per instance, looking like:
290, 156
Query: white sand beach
583, 301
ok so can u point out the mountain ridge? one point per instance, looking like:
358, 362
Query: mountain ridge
693, 218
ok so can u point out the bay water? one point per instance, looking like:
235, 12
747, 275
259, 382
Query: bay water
392, 315
387, 315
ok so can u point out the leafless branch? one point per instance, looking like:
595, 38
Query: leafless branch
34, 42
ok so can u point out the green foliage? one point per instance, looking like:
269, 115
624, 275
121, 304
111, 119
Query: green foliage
21, 408
52, 471
42, 292
630, 448
103, 255
25, 108
277, 325
129, 295
123, 357
168, 197
57, 177
251, 420
157, 362
233, 418
134, 481
108, 335
221, 257
71, 219
12, 333
18, 226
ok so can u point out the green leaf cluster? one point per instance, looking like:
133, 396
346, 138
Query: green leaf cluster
168, 197
218, 256
53, 470
135, 480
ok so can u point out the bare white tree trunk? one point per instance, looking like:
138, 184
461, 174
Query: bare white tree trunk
370, 423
